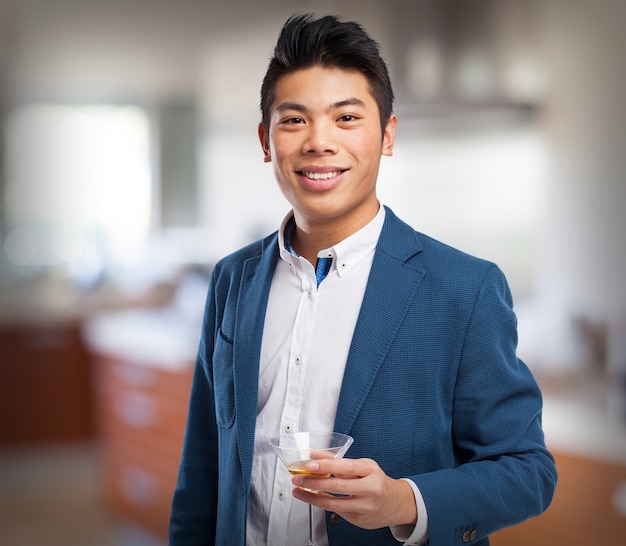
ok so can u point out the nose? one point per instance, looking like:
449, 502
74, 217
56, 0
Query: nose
320, 140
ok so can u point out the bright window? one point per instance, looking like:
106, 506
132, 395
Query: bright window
78, 186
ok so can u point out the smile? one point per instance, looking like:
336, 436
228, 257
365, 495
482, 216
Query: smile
321, 176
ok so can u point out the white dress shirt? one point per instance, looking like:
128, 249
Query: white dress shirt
306, 338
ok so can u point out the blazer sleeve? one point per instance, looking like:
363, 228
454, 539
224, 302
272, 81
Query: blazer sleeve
506, 470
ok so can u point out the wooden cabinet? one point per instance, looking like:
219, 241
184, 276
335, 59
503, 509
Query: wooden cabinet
141, 416
45, 387
584, 510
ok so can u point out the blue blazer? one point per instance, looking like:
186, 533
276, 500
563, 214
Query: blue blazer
432, 391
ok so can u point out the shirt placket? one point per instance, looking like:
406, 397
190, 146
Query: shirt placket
291, 416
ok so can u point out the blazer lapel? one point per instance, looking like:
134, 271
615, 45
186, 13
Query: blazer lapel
391, 288
256, 280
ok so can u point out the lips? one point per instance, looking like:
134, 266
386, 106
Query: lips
320, 176
319, 180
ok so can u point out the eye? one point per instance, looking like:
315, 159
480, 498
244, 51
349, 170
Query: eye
347, 118
292, 121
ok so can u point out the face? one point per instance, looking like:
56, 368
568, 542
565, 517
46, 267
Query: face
325, 143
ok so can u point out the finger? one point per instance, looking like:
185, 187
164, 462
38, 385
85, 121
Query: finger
321, 499
342, 467
350, 508
333, 486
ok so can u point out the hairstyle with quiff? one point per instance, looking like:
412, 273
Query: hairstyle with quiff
306, 41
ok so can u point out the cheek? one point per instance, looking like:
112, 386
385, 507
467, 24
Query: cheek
284, 185
283, 145
365, 147
278, 173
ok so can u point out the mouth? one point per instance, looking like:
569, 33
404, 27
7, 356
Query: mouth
319, 176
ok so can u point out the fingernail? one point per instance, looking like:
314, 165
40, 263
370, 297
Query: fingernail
312, 466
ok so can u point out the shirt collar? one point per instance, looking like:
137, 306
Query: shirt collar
347, 253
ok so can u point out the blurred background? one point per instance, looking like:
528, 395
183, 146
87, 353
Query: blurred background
129, 164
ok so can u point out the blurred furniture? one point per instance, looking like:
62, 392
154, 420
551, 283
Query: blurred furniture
45, 384
141, 418
143, 365
589, 507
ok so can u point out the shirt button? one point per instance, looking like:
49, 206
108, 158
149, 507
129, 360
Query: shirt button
343, 266
288, 428
281, 495
298, 360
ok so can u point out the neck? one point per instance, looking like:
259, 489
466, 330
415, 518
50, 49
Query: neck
311, 237
308, 245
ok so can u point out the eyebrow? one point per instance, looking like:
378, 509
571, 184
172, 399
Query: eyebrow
353, 101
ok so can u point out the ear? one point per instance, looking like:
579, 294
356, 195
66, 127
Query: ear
265, 144
389, 135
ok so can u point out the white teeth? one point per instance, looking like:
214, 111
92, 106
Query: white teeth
321, 176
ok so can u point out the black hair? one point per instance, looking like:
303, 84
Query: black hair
306, 41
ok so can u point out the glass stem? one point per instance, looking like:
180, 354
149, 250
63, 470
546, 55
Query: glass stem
311, 541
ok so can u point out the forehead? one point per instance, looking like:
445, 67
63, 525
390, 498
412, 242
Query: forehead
322, 87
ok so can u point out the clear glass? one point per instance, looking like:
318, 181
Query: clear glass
295, 449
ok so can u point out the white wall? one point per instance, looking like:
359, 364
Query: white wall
584, 250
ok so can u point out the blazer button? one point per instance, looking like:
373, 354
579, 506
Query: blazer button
334, 518
468, 536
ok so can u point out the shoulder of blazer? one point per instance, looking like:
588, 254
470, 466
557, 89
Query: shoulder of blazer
398, 239
261, 250
401, 241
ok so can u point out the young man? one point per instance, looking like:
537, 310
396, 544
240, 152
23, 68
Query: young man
347, 319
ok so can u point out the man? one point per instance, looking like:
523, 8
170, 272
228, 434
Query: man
347, 319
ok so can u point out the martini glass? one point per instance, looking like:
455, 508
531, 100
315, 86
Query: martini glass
296, 449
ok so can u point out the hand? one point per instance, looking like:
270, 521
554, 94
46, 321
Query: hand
370, 499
